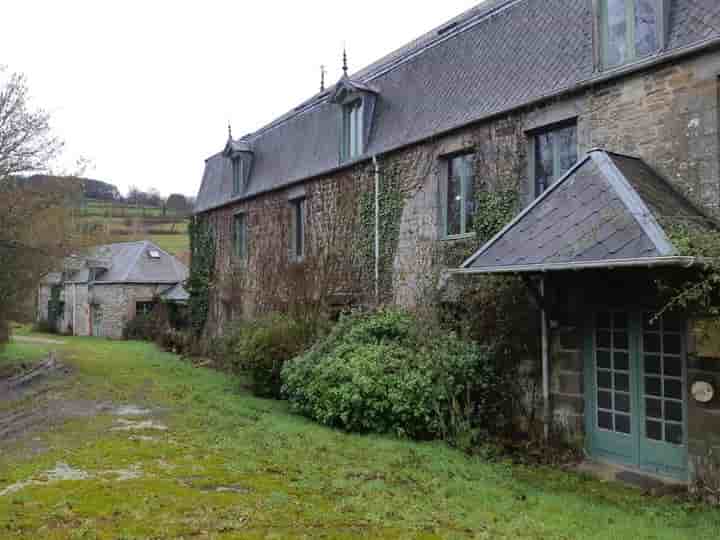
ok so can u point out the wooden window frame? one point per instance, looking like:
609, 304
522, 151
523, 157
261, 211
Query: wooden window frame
297, 229
604, 32
237, 175
447, 167
352, 139
557, 172
240, 245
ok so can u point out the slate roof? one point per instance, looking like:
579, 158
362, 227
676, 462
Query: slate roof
176, 294
491, 59
608, 210
130, 262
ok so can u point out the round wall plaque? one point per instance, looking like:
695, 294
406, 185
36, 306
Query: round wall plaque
703, 391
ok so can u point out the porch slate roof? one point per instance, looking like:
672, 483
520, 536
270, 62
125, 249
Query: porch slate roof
176, 294
608, 210
494, 58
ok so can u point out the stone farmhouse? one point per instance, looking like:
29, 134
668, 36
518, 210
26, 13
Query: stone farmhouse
600, 115
96, 295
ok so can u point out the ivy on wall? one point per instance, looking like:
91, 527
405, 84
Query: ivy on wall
392, 202
202, 271
55, 306
698, 292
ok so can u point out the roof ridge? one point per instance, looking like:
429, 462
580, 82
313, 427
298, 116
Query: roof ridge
634, 203
465, 22
135, 261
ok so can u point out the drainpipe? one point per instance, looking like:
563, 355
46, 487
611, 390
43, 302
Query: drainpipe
545, 360
74, 309
377, 229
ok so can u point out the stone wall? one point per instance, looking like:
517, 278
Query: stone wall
667, 115
115, 306
704, 419
112, 305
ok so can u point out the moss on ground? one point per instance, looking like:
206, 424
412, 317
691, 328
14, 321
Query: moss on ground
232, 466
13, 353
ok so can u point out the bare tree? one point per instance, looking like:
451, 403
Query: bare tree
36, 223
26, 141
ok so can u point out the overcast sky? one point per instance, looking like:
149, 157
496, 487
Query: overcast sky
145, 88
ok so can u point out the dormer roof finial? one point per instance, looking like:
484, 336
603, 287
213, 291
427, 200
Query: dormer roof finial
229, 130
322, 78
345, 61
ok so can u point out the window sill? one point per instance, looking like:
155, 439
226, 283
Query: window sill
455, 237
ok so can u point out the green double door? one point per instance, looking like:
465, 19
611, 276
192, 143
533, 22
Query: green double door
635, 378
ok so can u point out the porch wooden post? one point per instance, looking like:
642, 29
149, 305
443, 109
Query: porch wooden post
545, 361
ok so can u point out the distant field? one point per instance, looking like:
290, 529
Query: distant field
115, 222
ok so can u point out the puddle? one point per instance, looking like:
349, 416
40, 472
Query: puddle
142, 438
64, 473
131, 425
123, 475
131, 410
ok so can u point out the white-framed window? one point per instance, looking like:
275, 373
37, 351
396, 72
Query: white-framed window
628, 30
458, 197
237, 175
555, 152
297, 230
240, 237
352, 130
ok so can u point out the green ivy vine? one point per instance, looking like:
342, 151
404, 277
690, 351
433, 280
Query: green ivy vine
55, 306
202, 271
392, 202
698, 291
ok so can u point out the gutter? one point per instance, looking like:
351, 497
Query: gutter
97, 283
74, 309
606, 76
376, 166
648, 262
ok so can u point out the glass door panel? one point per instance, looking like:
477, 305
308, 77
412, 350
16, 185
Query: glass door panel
615, 406
663, 390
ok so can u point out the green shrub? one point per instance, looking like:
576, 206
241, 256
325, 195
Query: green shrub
261, 347
143, 327
43, 326
391, 373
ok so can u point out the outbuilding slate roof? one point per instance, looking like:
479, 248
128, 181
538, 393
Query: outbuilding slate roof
608, 210
131, 262
494, 58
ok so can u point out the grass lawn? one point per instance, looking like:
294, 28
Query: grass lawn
176, 244
232, 466
19, 353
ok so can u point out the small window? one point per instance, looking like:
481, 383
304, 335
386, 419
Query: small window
144, 308
154, 254
628, 30
297, 230
237, 173
555, 154
352, 133
459, 204
240, 236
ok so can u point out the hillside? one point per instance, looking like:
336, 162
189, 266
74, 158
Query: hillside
120, 222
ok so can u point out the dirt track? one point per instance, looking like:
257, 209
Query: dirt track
31, 401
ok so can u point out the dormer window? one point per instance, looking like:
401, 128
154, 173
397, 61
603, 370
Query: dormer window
237, 175
629, 30
240, 155
356, 103
352, 135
